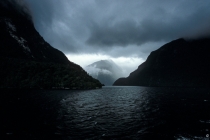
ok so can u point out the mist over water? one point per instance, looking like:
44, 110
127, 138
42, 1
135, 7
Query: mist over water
107, 113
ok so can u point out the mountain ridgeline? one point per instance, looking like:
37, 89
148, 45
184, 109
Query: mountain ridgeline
27, 61
19, 39
180, 63
106, 71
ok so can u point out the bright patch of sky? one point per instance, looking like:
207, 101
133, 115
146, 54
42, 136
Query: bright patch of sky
127, 64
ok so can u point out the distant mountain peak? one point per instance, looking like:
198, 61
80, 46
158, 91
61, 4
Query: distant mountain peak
106, 71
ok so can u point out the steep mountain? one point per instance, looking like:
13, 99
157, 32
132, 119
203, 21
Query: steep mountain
27, 61
106, 71
19, 39
183, 63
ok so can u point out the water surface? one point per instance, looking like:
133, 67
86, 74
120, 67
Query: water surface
107, 113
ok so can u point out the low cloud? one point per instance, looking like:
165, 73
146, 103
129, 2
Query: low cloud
90, 26
92, 70
162, 26
126, 64
117, 28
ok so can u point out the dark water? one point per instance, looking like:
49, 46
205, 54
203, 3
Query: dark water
108, 113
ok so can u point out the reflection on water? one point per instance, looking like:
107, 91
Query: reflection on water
114, 113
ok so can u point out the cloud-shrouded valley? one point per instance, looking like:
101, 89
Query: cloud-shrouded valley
123, 31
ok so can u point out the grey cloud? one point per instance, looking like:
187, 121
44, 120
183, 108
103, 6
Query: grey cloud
111, 27
95, 71
158, 26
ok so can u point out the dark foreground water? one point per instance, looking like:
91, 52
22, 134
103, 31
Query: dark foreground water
108, 113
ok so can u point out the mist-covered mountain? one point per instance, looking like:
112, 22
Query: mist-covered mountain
106, 71
183, 63
27, 61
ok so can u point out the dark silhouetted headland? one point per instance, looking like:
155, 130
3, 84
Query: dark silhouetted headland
181, 63
27, 61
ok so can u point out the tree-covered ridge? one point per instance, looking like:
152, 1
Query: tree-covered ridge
17, 73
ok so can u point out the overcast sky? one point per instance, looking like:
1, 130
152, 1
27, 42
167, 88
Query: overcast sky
125, 31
